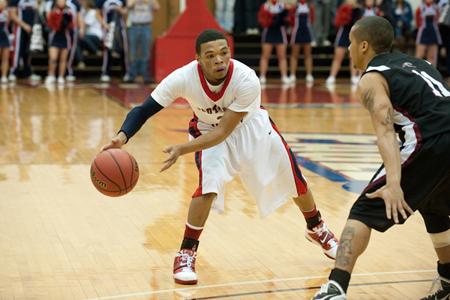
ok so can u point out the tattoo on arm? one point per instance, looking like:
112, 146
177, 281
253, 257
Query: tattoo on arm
388, 118
344, 254
368, 99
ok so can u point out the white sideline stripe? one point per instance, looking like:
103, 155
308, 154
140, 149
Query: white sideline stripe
145, 293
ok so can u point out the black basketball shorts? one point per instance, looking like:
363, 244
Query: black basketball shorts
426, 186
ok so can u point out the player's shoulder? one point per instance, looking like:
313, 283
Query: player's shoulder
242, 72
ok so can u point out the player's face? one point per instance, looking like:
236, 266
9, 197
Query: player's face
353, 49
214, 59
61, 3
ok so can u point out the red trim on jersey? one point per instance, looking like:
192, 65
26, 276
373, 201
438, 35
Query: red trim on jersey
193, 128
198, 161
300, 182
215, 96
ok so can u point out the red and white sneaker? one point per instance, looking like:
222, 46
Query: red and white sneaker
323, 237
184, 267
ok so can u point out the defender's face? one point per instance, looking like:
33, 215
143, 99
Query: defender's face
214, 60
354, 51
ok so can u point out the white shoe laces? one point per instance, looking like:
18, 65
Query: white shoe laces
187, 258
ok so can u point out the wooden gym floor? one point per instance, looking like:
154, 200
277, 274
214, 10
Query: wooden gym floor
61, 239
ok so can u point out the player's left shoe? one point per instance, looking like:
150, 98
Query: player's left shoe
184, 267
443, 293
330, 291
323, 237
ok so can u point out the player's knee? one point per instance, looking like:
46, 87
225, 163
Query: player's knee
440, 240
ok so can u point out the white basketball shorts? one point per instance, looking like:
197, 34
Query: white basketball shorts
257, 152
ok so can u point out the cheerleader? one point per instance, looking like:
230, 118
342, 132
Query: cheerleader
302, 18
428, 36
4, 41
273, 16
347, 14
60, 22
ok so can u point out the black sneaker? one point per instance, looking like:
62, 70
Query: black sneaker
443, 293
330, 291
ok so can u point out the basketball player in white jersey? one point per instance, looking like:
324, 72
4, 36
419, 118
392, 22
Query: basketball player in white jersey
230, 134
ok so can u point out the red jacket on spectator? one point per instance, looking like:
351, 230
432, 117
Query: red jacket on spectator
264, 17
343, 15
58, 19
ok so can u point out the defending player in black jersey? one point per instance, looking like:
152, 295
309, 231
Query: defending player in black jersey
406, 97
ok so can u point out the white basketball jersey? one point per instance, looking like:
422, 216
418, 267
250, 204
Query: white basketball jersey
240, 92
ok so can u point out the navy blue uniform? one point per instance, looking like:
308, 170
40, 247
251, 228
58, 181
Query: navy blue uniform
276, 32
4, 33
60, 21
26, 11
302, 31
427, 24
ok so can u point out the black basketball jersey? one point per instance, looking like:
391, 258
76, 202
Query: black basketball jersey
419, 96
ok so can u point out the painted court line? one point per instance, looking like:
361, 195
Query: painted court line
252, 282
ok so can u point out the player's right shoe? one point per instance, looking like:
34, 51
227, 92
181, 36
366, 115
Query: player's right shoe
184, 267
443, 293
323, 237
330, 291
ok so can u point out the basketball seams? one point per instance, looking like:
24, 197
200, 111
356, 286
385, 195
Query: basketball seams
132, 169
99, 170
120, 169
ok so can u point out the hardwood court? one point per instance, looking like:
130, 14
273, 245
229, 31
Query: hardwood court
61, 239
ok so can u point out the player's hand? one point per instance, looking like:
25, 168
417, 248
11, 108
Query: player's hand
116, 142
174, 152
394, 200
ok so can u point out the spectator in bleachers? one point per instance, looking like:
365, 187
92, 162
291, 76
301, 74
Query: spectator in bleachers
444, 27
23, 13
140, 18
348, 13
428, 38
112, 17
93, 36
60, 21
4, 40
324, 12
76, 32
402, 23
301, 18
273, 17
245, 16
225, 14
370, 10
385, 8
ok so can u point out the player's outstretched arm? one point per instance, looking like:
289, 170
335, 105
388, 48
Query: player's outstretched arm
374, 94
133, 122
227, 124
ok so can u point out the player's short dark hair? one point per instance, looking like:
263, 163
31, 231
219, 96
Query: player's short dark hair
206, 36
377, 31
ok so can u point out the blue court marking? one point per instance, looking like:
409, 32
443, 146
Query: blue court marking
304, 151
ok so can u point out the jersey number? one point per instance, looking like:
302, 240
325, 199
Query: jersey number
437, 87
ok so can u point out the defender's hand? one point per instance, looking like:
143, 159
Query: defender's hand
394, 201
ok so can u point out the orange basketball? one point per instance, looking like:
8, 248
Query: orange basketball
114, 172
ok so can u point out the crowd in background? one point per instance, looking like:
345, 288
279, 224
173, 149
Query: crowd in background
72, 29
